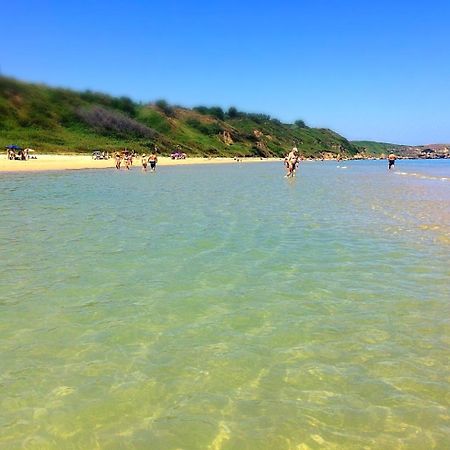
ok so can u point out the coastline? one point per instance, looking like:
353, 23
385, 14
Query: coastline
55, 162
59, 162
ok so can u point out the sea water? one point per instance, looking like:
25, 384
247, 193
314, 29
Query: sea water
226, 307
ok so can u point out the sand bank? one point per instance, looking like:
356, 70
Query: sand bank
74, 162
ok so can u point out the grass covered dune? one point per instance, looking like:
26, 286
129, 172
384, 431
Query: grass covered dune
55, 120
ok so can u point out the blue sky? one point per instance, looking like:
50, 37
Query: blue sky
369, 70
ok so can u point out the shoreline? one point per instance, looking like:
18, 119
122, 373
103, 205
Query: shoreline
55, 162
61, 162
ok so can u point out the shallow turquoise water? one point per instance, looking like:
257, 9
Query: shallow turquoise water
226, 307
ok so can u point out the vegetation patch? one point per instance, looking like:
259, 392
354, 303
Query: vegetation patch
50, 119
106, 121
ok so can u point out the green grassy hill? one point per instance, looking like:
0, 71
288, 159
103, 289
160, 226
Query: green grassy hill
61, 120
377, 148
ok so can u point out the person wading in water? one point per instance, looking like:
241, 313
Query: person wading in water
391, 160
291, 162
152, 159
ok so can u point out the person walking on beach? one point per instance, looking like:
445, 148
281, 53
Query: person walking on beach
292, 162
127, 158
153, 159
144, 162
391, 160
118, 161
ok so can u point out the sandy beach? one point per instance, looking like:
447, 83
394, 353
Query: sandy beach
77, 162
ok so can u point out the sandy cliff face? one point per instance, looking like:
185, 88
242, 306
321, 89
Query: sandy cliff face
226, 137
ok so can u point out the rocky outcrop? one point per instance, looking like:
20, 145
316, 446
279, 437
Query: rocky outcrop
226, 138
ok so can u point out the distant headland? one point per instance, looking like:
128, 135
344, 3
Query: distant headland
381, 149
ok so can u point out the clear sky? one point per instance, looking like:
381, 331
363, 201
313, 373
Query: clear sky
376, 70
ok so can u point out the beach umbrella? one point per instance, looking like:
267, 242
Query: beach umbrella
14, 147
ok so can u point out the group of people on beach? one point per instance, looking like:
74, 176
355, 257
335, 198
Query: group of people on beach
126, 157
14, 152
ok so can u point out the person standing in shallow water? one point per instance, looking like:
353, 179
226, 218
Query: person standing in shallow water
152, 159
144, 162
391, 160
128, 161
291, 162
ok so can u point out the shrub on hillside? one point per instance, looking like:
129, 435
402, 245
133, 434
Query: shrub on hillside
300, 124
165, 108
215, 111
125, 105
201, 109
233, 113
106, 121
205, 128
258, 118
95, 97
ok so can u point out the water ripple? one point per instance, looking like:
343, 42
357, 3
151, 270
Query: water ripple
226, 307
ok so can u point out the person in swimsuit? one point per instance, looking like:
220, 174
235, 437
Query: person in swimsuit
286, 164
152, 159
391, 160
118, 161
144, 162
127, 161
292, 162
